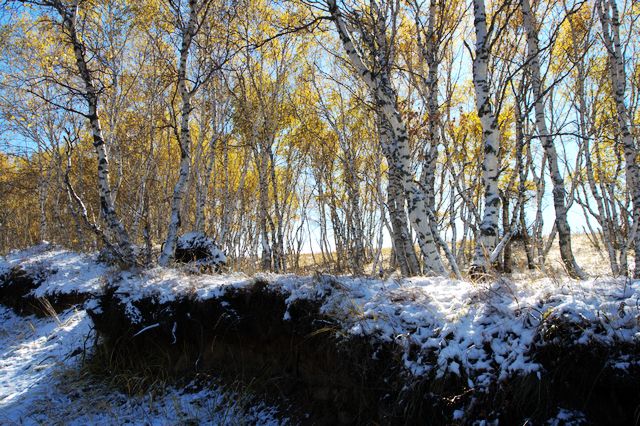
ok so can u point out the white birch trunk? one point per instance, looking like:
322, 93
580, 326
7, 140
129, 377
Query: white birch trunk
403, 245
107, 207
429, 53
608, 231
184, 140
521, 168
398, 149
263, 207
487, 239
611, 36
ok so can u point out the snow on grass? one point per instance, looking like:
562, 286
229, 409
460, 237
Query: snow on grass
31, 349
41, 383
198, 242
62, 271
166, 284
486, 330
482, 331
567, 418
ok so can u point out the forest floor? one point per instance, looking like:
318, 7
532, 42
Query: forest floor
483, 333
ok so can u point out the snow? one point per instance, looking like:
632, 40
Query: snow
198, 241
482, 332
41, 382
65, 271
167, 284
458, 320
30, 350
567, 418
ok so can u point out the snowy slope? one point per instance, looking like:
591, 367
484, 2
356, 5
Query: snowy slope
457, 320
40, 358
65, 271
41, 383
483, 332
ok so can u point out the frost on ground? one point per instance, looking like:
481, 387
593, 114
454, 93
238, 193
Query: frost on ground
41, 383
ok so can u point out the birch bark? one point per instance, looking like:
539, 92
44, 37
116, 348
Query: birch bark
91, 95
398, 150
487, 239
404, 251
610, 20
184, 138
562, 225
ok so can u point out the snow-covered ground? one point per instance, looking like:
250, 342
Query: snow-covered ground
453, 319
41, 379
63, 271
41, 382
456, 319
482, 331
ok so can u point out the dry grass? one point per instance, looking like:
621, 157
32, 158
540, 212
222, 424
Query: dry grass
49, 310
592, 260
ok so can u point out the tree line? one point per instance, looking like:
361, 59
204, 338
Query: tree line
279, 127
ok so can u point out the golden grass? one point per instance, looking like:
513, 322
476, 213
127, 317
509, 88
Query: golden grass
593, 261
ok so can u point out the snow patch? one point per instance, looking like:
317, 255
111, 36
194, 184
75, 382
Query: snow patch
197, 247
61, 271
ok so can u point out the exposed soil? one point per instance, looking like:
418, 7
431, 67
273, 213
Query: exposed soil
16, 287
307, 362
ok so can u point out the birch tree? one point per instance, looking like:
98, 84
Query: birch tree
489, 229
188, 32
610, 21
211, 58
379, 82
70, 24
559, 192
